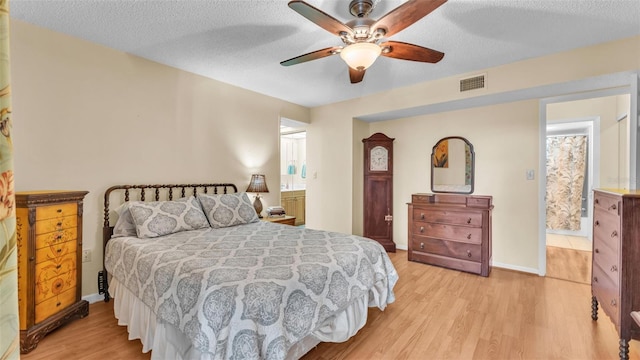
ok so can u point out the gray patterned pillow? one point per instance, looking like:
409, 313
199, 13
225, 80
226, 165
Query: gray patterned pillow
157, 218
225, 210
124, 225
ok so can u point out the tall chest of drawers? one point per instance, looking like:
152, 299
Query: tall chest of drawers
615, 279
49, 231
452, 231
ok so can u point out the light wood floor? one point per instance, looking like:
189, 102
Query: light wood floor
438, 314
569, 258
569, 264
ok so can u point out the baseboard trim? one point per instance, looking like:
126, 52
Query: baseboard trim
517, 268
93, 298
402, 247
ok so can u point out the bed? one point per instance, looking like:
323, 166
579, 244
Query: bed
195, 274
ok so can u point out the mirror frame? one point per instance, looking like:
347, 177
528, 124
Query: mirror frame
473, 165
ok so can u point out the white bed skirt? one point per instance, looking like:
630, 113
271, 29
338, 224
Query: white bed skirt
167, 342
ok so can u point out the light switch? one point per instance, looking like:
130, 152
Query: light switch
531, 174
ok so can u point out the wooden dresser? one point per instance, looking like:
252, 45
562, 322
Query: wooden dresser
615, 280
450, 230
49, 230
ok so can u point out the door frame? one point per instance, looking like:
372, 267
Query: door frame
599, 86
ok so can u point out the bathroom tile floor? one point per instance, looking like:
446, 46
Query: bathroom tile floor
569, 242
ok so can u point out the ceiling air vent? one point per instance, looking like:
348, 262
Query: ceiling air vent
472, 83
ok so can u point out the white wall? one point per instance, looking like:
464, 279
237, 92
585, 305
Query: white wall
87, 117
505, 146
333, 140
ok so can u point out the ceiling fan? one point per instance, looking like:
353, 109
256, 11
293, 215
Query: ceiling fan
363, 36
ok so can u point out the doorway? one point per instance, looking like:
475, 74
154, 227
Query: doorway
293, 169
580, 131
570, 169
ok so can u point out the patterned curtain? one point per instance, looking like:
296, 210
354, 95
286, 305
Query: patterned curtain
566, 162
9, 322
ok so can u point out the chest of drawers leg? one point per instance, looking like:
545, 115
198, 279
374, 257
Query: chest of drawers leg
49, 234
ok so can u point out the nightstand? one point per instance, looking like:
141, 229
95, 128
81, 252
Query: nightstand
286, 220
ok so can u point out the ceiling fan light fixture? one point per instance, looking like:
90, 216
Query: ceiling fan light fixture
360, 56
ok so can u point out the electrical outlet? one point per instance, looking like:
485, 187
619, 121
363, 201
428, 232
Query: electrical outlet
86, 256
531, 174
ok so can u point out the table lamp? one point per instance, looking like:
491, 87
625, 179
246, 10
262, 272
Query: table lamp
258, 185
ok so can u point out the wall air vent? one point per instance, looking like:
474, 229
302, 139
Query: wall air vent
472, 83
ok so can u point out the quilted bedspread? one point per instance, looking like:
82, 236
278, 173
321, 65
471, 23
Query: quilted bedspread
251, 291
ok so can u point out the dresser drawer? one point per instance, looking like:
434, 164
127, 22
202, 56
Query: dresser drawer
460, 250
608, 261
56, 211
56, 224
56, 237
448, 217
606, 230
55, 304
56, 251
50, 269
607, 293
55, 286
451, 263
448, 232
608, 203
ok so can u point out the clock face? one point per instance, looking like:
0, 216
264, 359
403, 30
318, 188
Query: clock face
378, 160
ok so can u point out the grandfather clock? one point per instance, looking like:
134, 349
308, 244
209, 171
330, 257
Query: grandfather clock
378, 190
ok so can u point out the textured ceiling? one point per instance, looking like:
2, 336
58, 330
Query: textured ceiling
243, 42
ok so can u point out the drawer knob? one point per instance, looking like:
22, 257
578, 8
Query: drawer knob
597, 223
58, 266
58, 303
469, 221
597, 251
421, 245
421, 229
421, 216
59, 237
468, 253
614, 234
614, 268
59, 223
595, 278
59, 210
59, 250
58, 285
613, 302
597, 201
612, 207
469, 236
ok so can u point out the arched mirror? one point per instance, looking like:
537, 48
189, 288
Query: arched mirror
452, 166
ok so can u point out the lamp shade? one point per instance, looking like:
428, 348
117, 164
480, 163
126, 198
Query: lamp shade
360, 56
258, 184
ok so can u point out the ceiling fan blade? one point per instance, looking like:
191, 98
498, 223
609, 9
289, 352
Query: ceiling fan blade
320, 18
406, 14
406, 51
355, 75
314, 55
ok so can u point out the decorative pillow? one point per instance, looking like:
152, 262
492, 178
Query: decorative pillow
157, 218
124, 225
225, 210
